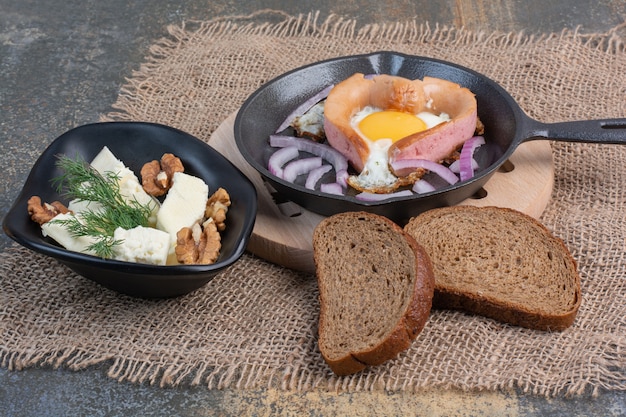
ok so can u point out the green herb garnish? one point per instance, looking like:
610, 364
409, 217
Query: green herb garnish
82, 182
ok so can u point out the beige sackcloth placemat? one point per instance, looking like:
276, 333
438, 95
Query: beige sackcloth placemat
255, 325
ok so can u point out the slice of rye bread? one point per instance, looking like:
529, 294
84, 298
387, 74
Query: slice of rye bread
376, 286
499, 263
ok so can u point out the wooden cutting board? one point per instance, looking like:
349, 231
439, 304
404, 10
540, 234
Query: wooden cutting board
283, 231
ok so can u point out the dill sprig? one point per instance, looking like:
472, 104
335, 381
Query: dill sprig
80, 181
103, 244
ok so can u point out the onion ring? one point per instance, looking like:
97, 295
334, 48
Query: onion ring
315, 175
304, 107
299, 167
365, 196
422, 186
280, 158
336, 159
466, 169
454, 167
408, 165
332, 188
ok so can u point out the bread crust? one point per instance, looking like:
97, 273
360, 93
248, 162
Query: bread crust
410, 324
499, 309
415, 317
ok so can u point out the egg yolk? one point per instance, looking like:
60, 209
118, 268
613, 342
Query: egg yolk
390, 124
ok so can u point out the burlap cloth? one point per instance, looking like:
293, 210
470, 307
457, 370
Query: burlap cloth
255, 325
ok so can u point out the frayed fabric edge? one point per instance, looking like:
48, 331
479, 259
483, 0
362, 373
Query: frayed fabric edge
408, 31
257, 376
282, 25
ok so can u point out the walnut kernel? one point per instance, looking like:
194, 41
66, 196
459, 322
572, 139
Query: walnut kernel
198, 244
156, 176
217, 207
44, 212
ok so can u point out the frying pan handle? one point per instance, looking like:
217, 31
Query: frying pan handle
590, 131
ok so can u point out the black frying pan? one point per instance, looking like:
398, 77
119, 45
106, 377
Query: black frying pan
506, 127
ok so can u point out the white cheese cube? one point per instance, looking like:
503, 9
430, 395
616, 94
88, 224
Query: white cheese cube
130, 187
80, 206
131, 190
143, 245
184, 204
105, 161
63, 237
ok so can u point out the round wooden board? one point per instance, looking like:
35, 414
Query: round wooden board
283, 230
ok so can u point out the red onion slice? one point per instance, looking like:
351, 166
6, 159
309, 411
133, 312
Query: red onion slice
466, 168
315, 175
405, 166
280, 158
365, 196
304, 107
336, 159
299, 167
454, 167
342, 177
422, 186
332, 188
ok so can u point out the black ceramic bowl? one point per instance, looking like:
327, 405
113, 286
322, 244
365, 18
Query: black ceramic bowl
136, 143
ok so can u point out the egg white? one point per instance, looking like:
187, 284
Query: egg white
311, 123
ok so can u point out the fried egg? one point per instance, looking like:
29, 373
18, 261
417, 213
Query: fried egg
379, 120
380, 128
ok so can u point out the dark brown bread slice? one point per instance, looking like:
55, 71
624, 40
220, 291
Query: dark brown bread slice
499, 263
376, 287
